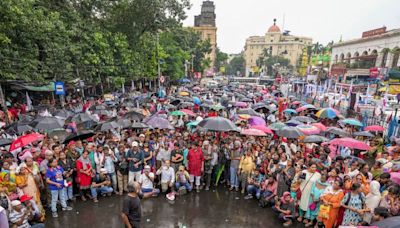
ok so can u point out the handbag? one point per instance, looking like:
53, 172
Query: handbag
324, 211
313, 206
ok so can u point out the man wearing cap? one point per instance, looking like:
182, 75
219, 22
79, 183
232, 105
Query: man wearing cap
146, 181
20, 216
102, 184
135, 158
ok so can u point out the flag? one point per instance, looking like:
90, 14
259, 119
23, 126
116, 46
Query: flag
28, 102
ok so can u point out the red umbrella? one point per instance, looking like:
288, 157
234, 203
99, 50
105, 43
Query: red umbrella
374, 128
320, 126
253, 132
263, 128
25, 140
350, 143
188, 112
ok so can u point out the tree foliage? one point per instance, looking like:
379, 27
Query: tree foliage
236, 65
43, 40
268, 61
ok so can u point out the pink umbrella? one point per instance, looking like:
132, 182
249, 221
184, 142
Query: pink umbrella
374, 128
307, 106
253, 132
296, 102
256, 120
350, 143
264, 91
25, 140
309, 129
241, 104
395, 177
188, 112
320, 126
262, 128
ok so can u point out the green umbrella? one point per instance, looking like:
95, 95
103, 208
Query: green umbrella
277, 126
217, 107
177, 113
192, 124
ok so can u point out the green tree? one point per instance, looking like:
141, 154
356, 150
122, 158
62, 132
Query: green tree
237, 64
221, 60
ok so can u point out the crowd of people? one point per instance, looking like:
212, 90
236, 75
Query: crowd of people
317, 184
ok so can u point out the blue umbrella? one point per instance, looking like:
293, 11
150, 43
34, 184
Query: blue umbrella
353, 122
184, 80
290, 111
196, 100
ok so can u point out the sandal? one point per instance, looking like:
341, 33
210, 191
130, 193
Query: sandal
288, 223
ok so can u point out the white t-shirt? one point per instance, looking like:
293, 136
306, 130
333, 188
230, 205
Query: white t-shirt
145, 181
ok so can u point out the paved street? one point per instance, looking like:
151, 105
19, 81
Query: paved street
207, 209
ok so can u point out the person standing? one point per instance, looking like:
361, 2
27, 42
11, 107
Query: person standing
136, 162
195, 165
307, 179
235, 160
131, 209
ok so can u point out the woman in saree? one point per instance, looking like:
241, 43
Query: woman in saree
316, 191
332, 197
307, 179
7, 184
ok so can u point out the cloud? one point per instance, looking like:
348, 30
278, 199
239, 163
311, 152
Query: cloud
323, 20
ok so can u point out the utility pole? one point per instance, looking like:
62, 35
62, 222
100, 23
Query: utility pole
158, 63
4, 106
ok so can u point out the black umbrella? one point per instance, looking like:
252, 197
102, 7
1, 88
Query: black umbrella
176, 102
63, 113
80, 135
304, 119
392, 222
186, 104
101, 112
338, 131
289, 132
218, 124
139, 125
81, 118
134, 115
247, 111
315, 139
5, 142
107, 126
47, 123
364, 134
61, 134
246, 99
124, 123
18, 127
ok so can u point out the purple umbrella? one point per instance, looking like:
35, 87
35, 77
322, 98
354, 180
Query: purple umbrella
256, 120
241, 104
160, 123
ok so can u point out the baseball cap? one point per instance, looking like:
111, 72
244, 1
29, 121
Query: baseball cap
15, 203
146, 167
24, 198
135, 144
142, 136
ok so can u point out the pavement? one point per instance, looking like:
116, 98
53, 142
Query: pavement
209, 209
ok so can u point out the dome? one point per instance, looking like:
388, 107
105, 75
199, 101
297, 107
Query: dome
274, 27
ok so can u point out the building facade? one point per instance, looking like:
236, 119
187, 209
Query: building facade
376, 48
277, 44
205, 24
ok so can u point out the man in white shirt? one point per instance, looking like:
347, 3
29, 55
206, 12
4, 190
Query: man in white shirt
167, 176
146, 181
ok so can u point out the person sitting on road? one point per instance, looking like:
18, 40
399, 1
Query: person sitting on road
182, 178
167, 176
146, 180
254, 185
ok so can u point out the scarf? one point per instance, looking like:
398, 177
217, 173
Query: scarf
374, 196
285, 194
10, 184
85, 162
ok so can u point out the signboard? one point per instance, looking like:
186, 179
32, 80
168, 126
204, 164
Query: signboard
374, 32
59, 88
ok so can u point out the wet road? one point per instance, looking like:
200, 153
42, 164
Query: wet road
215, 208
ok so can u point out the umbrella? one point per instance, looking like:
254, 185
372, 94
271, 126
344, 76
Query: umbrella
47, 123
276, 126
290, 111
329, 113
307, 106
124, 123
353, 122
309, 129
293, 123
241, 104
246, 100
186, 104
350, 143
80, 135
138, 125
184, 93
374, 128
184, 80
160, 123
192, 124
247, 111
196, 100
290, 132
338, 131
262, 128
25, 140
5, 142
256, 120
217, 107
177, 113
101, 112
320, 126
61, 134
176, 102
218, 124
392, 222
296, 102
107, 126
363, 133
18, 127
244, 116
81, 118
63, 113
134, 115
304, 119
188, 112
253, 132
315, 139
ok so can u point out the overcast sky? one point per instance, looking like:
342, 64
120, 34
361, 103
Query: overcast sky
323, 20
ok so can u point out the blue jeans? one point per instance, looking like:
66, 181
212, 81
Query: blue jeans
55, 194
113, 178
147, 190
187, 186
68, 192
253, 190
234, 177
102, 190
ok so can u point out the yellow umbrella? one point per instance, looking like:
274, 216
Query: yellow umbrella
383, 89
244, 116
184, 93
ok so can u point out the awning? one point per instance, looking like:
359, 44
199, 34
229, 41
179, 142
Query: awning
45, 88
